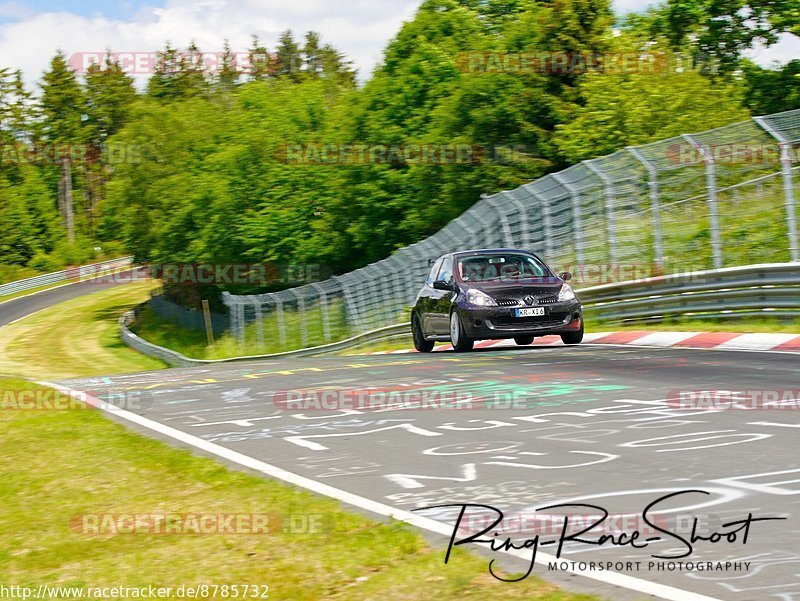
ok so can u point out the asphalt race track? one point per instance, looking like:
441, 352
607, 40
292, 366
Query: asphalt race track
594, 428
21, 306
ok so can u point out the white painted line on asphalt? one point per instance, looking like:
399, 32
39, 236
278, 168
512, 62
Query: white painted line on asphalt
633, 583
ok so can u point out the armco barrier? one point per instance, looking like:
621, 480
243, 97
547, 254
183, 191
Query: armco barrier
765, 290
176, 359
62, 276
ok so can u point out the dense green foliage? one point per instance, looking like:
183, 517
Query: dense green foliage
200, 167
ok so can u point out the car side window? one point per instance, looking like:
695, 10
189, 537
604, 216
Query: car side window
434, 271
446, 272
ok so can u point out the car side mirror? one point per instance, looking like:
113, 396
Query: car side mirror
440, 285
566, 276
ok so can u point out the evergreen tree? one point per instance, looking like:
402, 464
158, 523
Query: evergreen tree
228, 75
312, 55
288, 56
63, 108
260, 64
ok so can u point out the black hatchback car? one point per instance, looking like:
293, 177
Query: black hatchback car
494, 293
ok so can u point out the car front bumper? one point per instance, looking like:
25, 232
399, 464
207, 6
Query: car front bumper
501, 322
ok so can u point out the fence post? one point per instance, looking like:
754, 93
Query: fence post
523, 217
711, 196
410, 286
655, 204
546, 221
508, 239
610, 196
323, 303
230, 302
241, 320
259, 319
788, 185
788, 192
281, 322
473, 234
577, 223
301, 308
352, 316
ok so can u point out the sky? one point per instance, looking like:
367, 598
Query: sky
31, 31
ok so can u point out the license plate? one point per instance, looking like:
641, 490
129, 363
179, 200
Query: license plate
531, 312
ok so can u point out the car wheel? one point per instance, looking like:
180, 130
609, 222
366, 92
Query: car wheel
523, 340
458, 338
422, 345
573, 337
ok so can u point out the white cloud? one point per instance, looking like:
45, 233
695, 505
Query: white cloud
359, 28
787, 48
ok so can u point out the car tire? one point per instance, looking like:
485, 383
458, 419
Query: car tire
458, 337
573, 337
523, 340
422, 345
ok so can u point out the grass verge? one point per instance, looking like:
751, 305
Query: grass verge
78, 337
60, 466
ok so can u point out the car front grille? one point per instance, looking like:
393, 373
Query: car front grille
507, 302
540, 300
548, 321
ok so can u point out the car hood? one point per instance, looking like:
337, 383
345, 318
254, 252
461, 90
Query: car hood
517, 289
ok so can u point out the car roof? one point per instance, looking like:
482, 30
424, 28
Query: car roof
489, 251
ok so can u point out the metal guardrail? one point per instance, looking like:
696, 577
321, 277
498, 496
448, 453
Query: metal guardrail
73, 273
176, 359
765, 290
753, 290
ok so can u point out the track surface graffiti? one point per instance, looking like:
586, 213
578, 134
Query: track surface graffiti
600, 431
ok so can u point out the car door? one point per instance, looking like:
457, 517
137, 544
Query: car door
442, 299
425, 298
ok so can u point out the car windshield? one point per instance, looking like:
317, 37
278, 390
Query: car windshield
500, 267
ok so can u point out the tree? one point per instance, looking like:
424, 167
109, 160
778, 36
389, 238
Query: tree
717, 32
178, 74
772, 90
63, 108
109, 95
336, 67
228, 70
260, 64
288, 55
629, 109
312, 55
162, 84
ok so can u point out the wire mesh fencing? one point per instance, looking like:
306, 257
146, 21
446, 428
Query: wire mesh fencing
720, 198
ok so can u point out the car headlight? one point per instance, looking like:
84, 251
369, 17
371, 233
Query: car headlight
566, 294
476, 297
